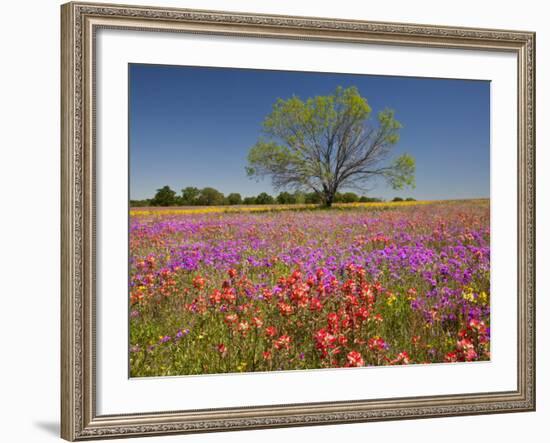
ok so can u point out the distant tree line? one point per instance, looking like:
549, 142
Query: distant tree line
208, 196
399, 199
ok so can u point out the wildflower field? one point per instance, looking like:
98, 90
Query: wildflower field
243, 291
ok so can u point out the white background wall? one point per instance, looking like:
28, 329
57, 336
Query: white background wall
29, 218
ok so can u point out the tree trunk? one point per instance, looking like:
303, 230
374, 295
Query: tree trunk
329, 198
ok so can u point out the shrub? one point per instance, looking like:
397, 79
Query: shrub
164, 197
285, 198
364, 199
350, 197
210, 197
264, 199
313, 198
234, 198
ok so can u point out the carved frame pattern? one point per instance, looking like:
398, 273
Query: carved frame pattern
79, 23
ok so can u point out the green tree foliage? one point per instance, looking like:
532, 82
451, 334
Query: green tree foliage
397, 199
350, 197
249, 201
234, 199
286, 198
140, 203
164, 197
264, 199
313, 198
327, 143
189, 195
401, 173
299, 197
210, 197
364, 199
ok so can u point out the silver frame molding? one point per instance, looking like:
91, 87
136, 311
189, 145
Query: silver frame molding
79, 22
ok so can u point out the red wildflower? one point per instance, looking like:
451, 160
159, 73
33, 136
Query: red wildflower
346, 321
285, 308
243, 327
324, 341
228, 295
362, 313
332, 320
282, 342
215, 297
315, 304
478, 326
231, 318
376, 344
198, 282
402, 358
451, 357
355, 359
466, 349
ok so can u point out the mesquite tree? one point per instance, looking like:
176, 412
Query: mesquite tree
328, 143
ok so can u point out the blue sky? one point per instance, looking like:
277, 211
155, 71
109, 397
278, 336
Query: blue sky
194, 126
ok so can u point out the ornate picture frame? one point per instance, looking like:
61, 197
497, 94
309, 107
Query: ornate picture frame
80, 22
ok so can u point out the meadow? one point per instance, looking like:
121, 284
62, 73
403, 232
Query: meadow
214, 290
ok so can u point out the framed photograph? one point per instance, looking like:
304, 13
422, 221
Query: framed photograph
277, 221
